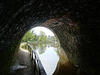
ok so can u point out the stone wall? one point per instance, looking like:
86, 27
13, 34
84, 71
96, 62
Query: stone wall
76, 23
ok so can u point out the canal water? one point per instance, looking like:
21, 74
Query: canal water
48, 55
54, 60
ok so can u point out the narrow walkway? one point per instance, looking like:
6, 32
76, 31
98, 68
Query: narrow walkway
23, 65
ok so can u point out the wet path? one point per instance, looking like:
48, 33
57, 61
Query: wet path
24, 65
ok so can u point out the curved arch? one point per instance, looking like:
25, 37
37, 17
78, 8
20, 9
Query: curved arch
76, 25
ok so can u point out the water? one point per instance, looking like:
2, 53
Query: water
54, 60
48, 56
49, 60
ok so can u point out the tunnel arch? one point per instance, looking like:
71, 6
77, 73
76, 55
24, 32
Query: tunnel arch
80, 27
61, 33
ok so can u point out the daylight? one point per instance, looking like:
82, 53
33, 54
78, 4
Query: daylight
45, 30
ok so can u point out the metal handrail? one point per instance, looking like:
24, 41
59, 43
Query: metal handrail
37, 61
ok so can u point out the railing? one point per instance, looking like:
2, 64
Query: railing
36, 61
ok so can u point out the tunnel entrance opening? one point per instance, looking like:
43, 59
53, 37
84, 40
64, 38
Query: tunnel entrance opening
45, 43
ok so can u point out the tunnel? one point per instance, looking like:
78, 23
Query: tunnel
75, 22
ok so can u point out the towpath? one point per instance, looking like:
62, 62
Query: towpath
24, 64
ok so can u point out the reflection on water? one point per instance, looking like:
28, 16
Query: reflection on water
54, 60
48, 56
49, 60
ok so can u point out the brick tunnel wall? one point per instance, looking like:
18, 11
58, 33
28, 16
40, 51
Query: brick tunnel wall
76, 23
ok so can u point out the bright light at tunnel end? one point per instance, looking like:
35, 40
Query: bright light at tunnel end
44, 29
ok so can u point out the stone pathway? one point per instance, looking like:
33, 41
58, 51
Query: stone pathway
23, 65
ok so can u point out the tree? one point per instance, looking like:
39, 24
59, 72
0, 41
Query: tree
42, 37
29, 36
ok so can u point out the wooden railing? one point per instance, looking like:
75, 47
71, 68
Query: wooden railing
36, 60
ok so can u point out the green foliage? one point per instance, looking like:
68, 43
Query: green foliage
42, 37
29, 36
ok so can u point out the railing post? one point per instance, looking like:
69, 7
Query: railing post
37, 61
32, 54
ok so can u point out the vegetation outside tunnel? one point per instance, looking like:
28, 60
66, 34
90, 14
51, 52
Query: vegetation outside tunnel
31, 36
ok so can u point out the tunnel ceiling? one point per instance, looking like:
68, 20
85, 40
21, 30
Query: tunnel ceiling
76, 23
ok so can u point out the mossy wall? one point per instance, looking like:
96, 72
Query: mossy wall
76, 23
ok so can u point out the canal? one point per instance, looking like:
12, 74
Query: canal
54, 60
